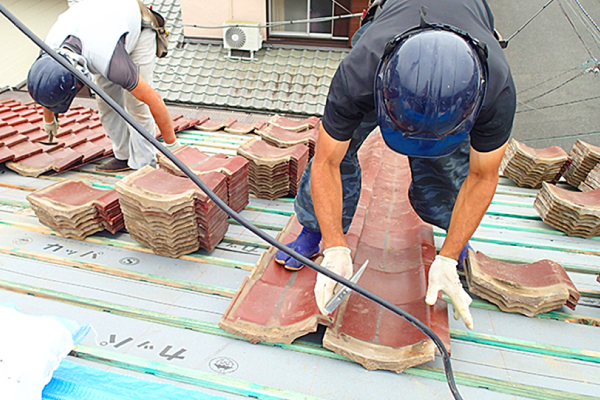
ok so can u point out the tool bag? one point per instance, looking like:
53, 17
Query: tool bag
153, 20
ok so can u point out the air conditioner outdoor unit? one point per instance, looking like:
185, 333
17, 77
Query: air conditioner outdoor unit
245, 37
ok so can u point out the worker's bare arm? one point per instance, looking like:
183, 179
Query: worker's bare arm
473, 199
326, 188
144, 92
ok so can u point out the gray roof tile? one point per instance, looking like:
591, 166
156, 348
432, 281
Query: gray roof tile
283, 80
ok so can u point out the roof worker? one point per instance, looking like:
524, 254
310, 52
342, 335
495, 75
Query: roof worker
113, 42
432, 75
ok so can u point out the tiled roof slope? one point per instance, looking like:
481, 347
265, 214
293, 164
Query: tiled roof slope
283, 80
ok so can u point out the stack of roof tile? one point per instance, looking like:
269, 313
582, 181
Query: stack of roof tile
274, 172
293, 125
212, 125
76, 210
180, 123
529, 167
528, 289
592, 180
280, 137
584, 158
170, 214
235, 170
574, 213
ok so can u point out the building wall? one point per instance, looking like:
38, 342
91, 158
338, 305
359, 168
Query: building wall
215, 12
19, 52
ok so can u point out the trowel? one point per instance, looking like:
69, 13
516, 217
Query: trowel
337, 299
51, 140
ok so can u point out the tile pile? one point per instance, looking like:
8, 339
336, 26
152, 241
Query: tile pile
76, 210
592, 180
274, 172
234, 168
529, 167
277, 305
574, 213
584, 158
180, 123
293, 125
280, 137
212, 125
81, 138
170, 214
230, 125
528, 289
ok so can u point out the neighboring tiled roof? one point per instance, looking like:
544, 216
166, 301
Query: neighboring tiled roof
283, 80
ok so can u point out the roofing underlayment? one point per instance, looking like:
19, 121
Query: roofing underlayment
156, 318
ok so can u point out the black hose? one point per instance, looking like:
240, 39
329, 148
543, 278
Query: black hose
345, 282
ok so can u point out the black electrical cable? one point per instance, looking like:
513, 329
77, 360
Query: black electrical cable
345, 282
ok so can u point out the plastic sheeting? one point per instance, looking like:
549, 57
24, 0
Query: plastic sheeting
72, 381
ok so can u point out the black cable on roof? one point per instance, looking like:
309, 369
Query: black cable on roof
245, 223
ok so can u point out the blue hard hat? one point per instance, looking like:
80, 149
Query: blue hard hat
52, 85
429, 88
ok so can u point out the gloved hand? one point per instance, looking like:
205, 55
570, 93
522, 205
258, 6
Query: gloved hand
173, 146
443, 276
338, 260
51, 128
307, 244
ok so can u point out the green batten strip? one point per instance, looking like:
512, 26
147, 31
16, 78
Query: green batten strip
511, 204
555, 315
244, 242
14, 203
513, 215
269, 210
542, 230
187, 375
588, 251
197, 132
516, 194
210, 328
260, 225
592, 294
203, 140
524, 345
120, 272
224, 262
497, 385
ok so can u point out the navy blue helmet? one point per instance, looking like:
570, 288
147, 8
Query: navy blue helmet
429, 88
52, 85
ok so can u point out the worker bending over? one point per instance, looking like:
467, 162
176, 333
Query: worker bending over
109, 42
432, 75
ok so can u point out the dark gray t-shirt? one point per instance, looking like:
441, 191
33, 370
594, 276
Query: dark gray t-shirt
121, 69
351, 91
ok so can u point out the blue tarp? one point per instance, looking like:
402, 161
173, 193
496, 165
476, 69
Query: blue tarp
72, 381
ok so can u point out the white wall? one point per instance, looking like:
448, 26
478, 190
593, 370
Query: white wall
215, 12
17, 52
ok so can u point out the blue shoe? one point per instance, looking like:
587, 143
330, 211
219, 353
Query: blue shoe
307, 244
463, 256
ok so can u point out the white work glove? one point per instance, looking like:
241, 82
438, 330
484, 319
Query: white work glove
51, 128
173, 146
443, 276
338, 260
